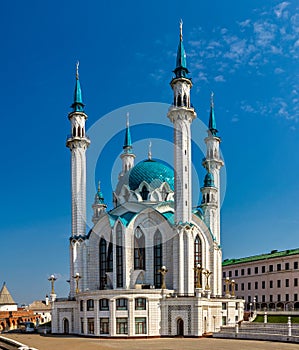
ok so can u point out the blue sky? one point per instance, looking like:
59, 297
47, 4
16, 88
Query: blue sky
245, 51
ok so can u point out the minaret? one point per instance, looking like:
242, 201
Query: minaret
99, 205
213, 163
78, 143
181, 115
127, 156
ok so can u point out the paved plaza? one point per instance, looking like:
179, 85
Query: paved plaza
76, 343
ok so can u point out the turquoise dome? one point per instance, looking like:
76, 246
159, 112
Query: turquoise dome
153, 172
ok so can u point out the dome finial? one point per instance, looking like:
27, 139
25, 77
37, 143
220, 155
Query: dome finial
150, 150
77, 70
181, 30
128, 119
212, 121
128, 142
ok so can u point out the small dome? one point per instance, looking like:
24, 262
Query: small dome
209, 180
153, 172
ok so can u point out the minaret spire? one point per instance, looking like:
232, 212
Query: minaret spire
128, 142
181, 70
78, 105
212, 120
127, 156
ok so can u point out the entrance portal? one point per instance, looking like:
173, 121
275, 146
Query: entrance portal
180, 327
66, 327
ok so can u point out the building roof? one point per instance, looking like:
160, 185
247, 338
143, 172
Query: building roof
39, 305
153, 172
5, 296
266, 256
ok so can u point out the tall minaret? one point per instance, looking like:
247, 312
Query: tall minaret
181, 115
78, 143
213, 164
127, 156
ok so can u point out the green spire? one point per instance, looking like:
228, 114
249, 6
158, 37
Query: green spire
99, 195
181, 70
78, 105
209, 180
212, 120
128, 143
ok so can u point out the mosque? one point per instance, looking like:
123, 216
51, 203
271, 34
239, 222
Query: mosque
150, 266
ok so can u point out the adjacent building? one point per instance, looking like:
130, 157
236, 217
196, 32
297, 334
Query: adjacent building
266, 282
152, 265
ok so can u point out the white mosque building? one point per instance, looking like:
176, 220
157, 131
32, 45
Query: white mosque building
151, 266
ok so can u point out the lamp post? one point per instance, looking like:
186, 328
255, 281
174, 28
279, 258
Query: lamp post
77, 278
207, 273
233, 284
198, 270
250, 309
52, 279
227, 283
163, 272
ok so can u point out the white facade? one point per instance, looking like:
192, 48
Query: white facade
151, 266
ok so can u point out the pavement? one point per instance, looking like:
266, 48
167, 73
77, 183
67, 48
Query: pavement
41, 342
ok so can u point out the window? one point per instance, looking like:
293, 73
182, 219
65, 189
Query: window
271, 298
249, 298
271, 284
242, 286
287, 266
278, 267
263, 298
230, 273
223, 320
242, 272
256, 285
121, 325
295, 282
139, 250
278, 297
236, 287
90, 326
140, 304
157, 259
263, 284
296, 265
119, 257
263, 269
140, 325
249, 286
122, 304
287, 297
270, 268
278, 283
82, 325
223, 274
90, 305
110, 256
287, 282
103, 260
256, 270
81, 305
248, 271
295, 297
104, 325
236, 273
104, 305
224, 306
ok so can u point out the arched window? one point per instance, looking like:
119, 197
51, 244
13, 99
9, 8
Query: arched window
197, 258
74, 131
158, 255
208, 198
144, 193
139, 250
110, 256
179, 100
119, 257
103, 263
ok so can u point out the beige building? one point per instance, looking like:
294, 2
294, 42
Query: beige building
266, 281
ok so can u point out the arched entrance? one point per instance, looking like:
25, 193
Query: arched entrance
180, 327
66, 326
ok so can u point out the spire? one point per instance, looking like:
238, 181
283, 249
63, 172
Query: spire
150, 151
5, 296
212, 120
99, 194
78, 105
181, 70
128, 143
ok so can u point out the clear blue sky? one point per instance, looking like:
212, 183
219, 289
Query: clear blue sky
245, 51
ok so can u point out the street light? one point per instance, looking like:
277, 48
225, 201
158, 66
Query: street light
52, 279
198, 270
163, 272
77, 278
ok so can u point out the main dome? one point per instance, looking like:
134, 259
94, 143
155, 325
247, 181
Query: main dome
153, 172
